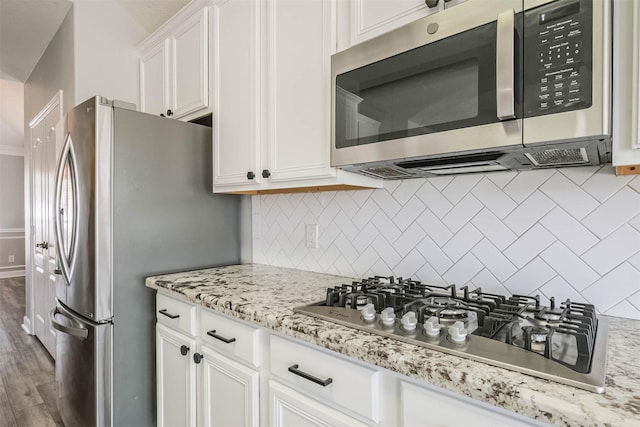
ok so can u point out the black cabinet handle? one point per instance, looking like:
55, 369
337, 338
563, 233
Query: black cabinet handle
250, 175
169, 113
197, 357
294, 370
266, 173
212, 333
184, 350
431, 3
169, 315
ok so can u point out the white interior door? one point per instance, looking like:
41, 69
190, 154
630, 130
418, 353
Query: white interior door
53, 129
39, 219
45, 146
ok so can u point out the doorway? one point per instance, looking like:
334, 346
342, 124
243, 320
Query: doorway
46, 142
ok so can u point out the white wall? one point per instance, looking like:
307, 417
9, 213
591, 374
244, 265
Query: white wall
106, 61
569, 233
11, 115
11, 178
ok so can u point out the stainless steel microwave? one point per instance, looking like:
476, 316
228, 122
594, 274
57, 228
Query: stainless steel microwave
480, 86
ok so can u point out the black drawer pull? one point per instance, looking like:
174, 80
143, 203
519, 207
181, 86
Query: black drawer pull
212, 333
294, 370
170, 316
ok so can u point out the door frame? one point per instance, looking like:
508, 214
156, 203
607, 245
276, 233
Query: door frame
30, 309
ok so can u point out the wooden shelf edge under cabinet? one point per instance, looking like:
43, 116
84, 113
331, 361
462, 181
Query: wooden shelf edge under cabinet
344, 181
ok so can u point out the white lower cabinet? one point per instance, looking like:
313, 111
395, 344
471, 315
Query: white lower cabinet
423, 406
206, 367
214, 370
229, 392
289, 408
175, 378
329, 378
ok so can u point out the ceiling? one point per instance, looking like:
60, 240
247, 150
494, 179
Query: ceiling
27, 27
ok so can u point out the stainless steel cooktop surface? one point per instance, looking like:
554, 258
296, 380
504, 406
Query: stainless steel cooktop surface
563, 342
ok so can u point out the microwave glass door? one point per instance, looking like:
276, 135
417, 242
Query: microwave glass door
444, 85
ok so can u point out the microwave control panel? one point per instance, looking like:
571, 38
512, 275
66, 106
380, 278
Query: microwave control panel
558, 57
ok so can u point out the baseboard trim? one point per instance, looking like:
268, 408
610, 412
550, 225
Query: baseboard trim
11, 274
26, 325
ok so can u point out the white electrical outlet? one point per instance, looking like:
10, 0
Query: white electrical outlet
311, 236
12, 258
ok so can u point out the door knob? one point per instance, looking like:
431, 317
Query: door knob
43, 245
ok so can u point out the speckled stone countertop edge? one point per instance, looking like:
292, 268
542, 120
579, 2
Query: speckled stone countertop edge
539, 399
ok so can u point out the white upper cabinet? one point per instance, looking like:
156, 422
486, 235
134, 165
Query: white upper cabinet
154, 79
272, 99
190, 55
236, 87
626, 87
298, 99
360, 20
174, 66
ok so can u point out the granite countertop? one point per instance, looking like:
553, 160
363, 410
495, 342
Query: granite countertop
266, 296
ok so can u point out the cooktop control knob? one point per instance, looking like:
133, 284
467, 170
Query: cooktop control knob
458, 333
432, 327
388, 316
409, 321
369, 312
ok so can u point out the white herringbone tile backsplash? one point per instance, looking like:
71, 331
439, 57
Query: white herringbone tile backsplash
569, 233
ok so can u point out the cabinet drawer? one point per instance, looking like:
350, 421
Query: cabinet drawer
422, 406
230, 337
176, 314
328, 377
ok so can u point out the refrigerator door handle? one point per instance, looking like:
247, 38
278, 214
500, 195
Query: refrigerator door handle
66, 259
77, 330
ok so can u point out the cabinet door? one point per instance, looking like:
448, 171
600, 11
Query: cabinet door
190, 65
288, 408
176, 378
236, 92
154, 79
422, 406
298, 82
370, 18
228, 392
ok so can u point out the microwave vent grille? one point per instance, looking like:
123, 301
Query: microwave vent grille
557, 157
386, 172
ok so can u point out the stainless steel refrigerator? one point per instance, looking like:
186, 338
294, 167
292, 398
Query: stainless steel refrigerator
133, 199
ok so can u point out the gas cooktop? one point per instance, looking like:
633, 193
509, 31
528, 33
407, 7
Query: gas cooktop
563, 342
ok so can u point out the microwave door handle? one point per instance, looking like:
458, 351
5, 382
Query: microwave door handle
505, 65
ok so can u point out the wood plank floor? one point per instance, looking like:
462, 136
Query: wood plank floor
27, 382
